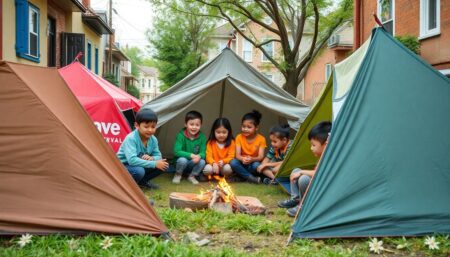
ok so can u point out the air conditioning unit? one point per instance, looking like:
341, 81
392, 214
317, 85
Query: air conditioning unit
333, 40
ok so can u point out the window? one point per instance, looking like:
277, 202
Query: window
430, 13
269, 49
149, 83
386, 13
328, 70
89, 55
96, 61
247, 51
143, 83
27, 31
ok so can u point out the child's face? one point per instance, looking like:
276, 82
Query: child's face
146, 129
317, 147
221, 134
248, 128
193, 126
278, 143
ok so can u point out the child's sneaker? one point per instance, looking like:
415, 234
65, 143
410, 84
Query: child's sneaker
176, 179
269, 181
291, 212
193, 180
289, 203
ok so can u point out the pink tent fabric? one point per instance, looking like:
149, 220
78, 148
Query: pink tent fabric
103, 101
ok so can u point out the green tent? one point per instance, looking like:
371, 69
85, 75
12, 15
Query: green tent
300, 155
386, 169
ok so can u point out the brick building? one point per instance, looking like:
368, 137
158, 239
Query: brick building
338, 47
428, 20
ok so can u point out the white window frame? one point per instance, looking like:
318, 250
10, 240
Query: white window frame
424, 17
328, 68
32, 9
263, 57
393, 15
244, 50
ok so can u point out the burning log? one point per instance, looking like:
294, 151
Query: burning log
220, 198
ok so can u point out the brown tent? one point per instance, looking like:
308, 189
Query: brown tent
57, 174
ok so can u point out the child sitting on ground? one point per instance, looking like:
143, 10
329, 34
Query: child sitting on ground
220, 149
250, 147
189, 148
300, 179
140, 153
280, 145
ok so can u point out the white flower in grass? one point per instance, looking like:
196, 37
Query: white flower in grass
73, 244
106, 243
376, 246
431, 242
24, 240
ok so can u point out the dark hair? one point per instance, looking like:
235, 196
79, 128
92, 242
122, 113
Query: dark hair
222, 122
192, 115
320, 131
254, 116
280, 131
146, 115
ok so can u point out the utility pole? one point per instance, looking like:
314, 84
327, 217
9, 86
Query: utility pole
110, 71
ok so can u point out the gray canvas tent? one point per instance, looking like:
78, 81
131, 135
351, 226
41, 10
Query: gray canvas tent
227, 87
386, 168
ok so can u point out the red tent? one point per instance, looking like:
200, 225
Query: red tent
105, 103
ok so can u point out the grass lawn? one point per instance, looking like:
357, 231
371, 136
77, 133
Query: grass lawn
229, 235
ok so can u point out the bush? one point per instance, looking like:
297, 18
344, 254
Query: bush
411, 42
133, 90
111, 79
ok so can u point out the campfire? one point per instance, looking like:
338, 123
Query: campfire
219, 198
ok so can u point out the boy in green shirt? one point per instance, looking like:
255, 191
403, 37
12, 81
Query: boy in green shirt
190, 148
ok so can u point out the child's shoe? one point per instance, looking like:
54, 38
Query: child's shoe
193, 180
253, 179
291, 212
268, 181
289, 203
176, 179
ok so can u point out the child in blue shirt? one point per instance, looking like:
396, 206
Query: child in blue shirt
140, 153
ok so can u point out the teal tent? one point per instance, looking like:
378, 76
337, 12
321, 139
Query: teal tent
386, 169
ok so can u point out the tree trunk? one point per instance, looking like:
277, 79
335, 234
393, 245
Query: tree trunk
291, 83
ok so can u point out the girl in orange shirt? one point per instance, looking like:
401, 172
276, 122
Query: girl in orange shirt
250, 147
220, 149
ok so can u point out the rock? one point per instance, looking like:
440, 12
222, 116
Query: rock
188, 209
192, 237
202, 242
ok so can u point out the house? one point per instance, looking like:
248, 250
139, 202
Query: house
149, 84
51, 33
249, 53
338, 47
428, 20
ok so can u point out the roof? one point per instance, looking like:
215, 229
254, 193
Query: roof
96, 23
70, 5
151, 71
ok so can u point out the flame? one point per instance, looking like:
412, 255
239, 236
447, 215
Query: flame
223, 184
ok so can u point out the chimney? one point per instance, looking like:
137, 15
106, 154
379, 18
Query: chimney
87, 3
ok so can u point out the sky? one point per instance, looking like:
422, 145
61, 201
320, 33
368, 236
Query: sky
133, 18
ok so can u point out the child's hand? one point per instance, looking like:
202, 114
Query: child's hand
162, 164
220, 163
246, 160
196, 158
295, 175
215, 168
147, 157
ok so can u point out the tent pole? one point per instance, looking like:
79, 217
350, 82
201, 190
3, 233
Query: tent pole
222, 97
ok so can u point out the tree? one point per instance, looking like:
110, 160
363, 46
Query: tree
291, 18
135, 55
180, 41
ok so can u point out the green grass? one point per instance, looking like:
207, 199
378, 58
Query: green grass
230, 235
